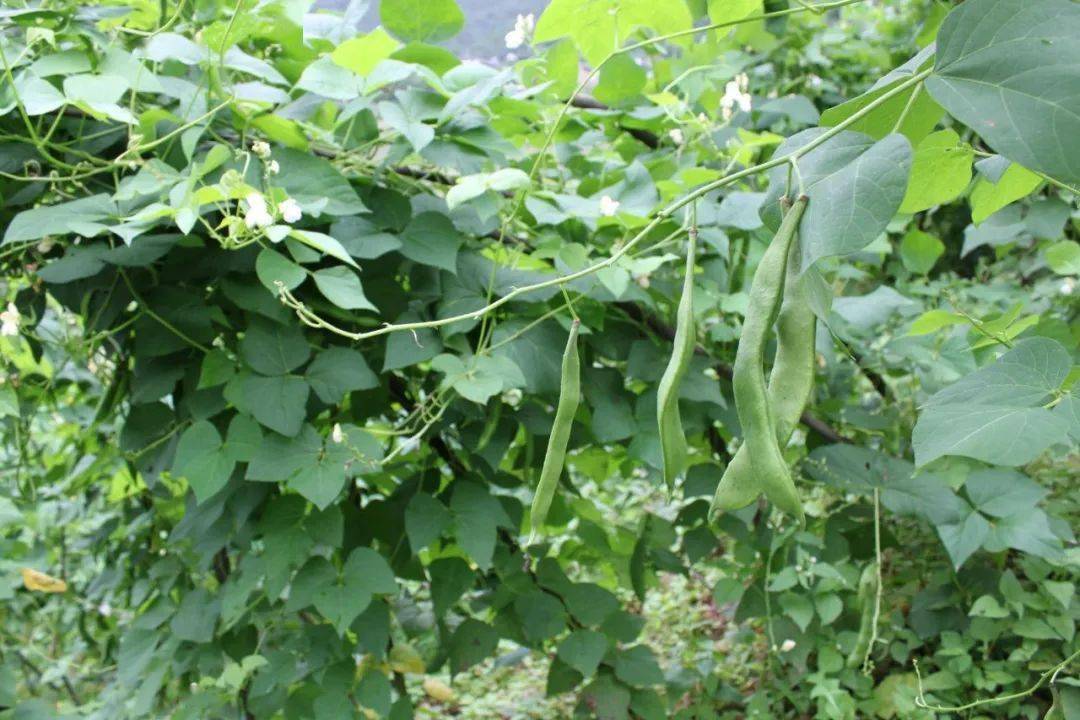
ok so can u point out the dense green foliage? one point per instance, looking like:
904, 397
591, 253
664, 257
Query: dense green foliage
285, 307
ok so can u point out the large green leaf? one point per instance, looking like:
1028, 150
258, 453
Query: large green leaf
422, 20
599, 26
338, 371
915, 111
997, 413
273, 349
1010, 70
201, 458
855, 185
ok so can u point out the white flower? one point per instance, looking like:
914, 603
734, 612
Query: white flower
1066, 288
787, 646
290, 210
514, 40
735, 95
257, 216
676, 136
523, 29
273, 168
104, 609
46, 244
608, 207
337, 435
261, 148
9, 320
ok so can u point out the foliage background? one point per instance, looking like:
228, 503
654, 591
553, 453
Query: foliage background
258, 518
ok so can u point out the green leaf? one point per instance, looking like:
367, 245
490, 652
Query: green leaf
1008, 70
322, 479
598, 27
996, 414
195, 619
323, 243
919, 251
432, 239
920, 114
1064, 257
940, 171
59, 219
964, 537
799, 608
855, 187
606, 699
722, 11
361, 54
9, 402
637, 666
1002, 492
311, 181
989, 197
278, 403
272, 267
472, 642
337, 371
450, 579
369, 570
273, 349
425, 520
476, 515
38, 96
422, 20
589, 603
583, 650
416, 131
341, 286
279, 458
201, 459
541, 615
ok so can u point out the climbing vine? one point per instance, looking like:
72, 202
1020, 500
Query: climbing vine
730, 376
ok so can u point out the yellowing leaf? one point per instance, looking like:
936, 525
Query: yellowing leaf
987, 197
406, 660
438, 690
40, 582
361, 54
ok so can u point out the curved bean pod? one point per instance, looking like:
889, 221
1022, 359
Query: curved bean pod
672, 437
790, 384
555, 456
766, 470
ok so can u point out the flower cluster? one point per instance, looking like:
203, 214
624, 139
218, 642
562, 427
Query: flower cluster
523, 30
735, 95
258, 214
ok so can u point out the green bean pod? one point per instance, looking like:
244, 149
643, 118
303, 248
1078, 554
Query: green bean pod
555, 456
792, 378
673, 448
764, 468
866, 597
790, 384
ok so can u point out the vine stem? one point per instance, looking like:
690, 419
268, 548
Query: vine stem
661, 216
920, 700
880, 591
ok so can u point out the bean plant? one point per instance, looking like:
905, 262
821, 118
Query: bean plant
697, 359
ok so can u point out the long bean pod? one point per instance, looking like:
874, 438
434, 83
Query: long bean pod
865, 596
673, 448
764, 469
790, 383
555, 456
